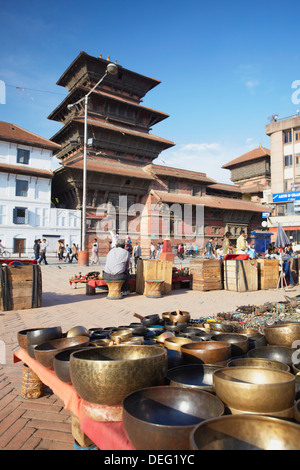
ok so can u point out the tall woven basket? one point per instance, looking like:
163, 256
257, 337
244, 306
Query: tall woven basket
32, 387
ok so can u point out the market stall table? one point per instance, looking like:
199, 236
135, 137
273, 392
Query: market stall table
105, 435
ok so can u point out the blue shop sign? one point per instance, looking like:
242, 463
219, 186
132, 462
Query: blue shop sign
286, 197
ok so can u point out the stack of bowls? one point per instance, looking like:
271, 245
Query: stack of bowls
256, 391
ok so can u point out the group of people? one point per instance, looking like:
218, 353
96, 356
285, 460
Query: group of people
283, 257
220, 251
40, 249
66, 253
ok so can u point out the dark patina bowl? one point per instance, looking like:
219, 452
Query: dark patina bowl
239, 343
199, 376
42, 335
162, 418
45, 352
22, 337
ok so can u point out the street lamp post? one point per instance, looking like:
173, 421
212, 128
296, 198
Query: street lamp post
111, 69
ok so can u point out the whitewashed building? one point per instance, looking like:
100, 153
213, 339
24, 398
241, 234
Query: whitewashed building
25, 194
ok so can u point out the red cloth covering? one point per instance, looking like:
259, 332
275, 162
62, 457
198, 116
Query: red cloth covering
105, 435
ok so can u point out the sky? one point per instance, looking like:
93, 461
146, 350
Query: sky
224, 67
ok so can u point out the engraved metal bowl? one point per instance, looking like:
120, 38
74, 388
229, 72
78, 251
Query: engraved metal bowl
106, 375
282, 335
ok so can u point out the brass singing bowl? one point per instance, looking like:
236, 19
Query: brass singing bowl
162, 418
199, 376
106, 375
276, 353
121, 335
246, 331
61, 364
246, 432
255, 389
179, 316
176, 342
45, 352
206, 352
77, 331
22, 337
258, 362
239, 343
282, 335
222, 327
42, 335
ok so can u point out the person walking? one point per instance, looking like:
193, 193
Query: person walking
152, 251
68, 254
137, 252
74, 253
209, 248
36, 249
43, 249
95, 257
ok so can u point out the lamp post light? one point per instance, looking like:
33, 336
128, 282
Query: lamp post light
111, 69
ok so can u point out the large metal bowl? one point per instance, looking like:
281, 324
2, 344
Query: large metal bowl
206, 352
246, 331
275, 353
258, 362
282, 335
239, 343
77, 331
22, 337
199, 376
106, 375
254, 389
173, 347
222, 327
179, 316
61, 364
246, 432
42, 335
45, 352
162, 418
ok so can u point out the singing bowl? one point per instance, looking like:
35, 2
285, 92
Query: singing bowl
275, 353
77, 331
199, 376
150, 320
42, 335
246, 331
61, 364
258, 362
282, 335
44, 353
138, 329
156, 329
255, 389
176, 342
206, 352
107, 375
99, 343
121, 335
179, 316
246, 432
22, 337
175, 327
162, 418
239, 343
222, 327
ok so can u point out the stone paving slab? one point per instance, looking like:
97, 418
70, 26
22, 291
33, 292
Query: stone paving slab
44, 424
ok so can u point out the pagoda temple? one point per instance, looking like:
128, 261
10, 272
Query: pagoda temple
121, 176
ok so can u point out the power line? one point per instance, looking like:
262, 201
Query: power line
22, 88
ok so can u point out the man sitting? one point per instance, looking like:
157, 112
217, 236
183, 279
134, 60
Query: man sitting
117, 265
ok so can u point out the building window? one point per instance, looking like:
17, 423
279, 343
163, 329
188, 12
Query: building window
173, 187
20, 215
21, 188
297, 136
297, 157
281, 208
288, 160
196, 191
23, 156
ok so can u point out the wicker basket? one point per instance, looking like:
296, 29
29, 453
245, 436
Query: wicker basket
32, 386
114, 289
154, 288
